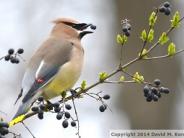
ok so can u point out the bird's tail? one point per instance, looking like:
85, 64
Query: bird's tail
23, 109
20, 115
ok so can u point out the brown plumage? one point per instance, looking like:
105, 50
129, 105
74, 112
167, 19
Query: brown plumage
56, 65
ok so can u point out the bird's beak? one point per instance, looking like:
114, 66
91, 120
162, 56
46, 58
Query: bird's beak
83, 26
83, 33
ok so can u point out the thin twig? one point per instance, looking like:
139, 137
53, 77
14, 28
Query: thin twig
15, 135
88, 94
164, 56
77, 118
121, 55
28, 130
22, 58
2, 57
119, 82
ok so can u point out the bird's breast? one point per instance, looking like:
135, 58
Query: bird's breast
65, 78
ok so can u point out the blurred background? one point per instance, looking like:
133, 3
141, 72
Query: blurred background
27, 23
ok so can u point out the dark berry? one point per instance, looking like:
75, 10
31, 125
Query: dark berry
10, 51
20, 51
13, 60
168, 11
161, 89
93, 27
40, 99
7, 57
149, 99
65, 124
57, 109
145, 95
155, 98
73, 123
125, 29
56, 104
42, 106
167, 4
166, 90
4, 124
162, 9
157, 82
35, 109
159, 95
146, 89
149, 94
40, 115
102, 108
4, 131
59, 116
67, 115
106, 97
68, 107
127, 34
154, 90
128, 26
17, 60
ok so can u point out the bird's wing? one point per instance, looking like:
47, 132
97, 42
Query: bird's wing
44, 65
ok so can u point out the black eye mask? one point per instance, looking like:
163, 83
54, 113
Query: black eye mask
81, 26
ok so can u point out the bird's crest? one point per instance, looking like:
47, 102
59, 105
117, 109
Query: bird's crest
65, 20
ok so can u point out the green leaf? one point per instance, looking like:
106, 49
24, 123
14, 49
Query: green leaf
163, 38
152, 19
138, 78
83, 85
143, 35
63, 94
125, 38
175, 22
171, 50
102, 76
121, 39
144, 54
122, 78
151, 35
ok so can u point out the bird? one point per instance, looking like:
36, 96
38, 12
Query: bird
56, 65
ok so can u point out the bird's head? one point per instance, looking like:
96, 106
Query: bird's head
72, 26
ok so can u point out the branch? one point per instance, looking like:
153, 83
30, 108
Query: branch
164, 56
119, 69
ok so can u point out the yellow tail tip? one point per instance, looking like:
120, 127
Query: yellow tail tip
16, 120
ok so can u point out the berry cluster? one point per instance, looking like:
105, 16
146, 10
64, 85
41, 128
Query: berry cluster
103, 107
165, 8
3, 129
12, 55
58, 108
153, 92
126, 27
65, 115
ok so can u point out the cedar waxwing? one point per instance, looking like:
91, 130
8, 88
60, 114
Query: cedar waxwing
56, 65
